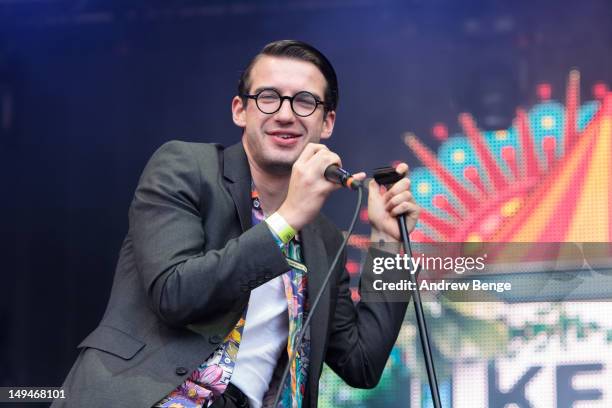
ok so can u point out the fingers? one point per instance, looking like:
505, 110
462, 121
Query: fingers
308, 189
402, 168
320, 161
406, 207
397, 188
387, 203
324, 158
398, 199
317, 157
310, 150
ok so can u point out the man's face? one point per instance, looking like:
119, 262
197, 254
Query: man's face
273, 142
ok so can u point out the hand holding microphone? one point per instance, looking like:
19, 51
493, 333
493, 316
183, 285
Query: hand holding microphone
309, 188
318, 171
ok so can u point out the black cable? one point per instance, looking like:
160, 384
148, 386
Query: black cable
302, 332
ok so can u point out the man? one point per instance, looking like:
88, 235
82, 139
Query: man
225, 248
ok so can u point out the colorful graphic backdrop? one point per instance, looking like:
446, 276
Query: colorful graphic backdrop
544, 179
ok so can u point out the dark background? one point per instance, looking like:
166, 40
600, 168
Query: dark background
89, 89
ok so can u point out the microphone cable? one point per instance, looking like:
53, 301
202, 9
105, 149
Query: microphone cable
311, 312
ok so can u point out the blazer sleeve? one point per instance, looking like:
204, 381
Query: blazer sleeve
362, 335
183, 283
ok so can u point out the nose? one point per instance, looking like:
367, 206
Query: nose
285, 113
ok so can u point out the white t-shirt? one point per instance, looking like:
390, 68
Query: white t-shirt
264, 338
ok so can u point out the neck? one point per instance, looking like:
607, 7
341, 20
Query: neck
271, 187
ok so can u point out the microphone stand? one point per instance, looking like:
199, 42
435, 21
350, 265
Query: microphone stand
418, 309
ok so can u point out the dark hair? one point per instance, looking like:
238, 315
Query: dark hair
301, 51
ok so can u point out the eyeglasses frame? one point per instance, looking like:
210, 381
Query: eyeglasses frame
282, 99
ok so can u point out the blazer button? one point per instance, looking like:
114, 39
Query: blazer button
181, 371
216, 339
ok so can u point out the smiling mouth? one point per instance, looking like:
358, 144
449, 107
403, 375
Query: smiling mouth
284, 135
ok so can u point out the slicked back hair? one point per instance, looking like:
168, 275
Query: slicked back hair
300, 51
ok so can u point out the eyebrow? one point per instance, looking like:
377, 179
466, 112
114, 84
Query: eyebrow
261, 88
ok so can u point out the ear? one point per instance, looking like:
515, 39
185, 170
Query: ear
238, 112
328, 125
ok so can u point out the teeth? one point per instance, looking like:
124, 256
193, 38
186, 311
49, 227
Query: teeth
285, 136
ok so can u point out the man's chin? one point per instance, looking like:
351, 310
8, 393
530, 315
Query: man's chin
280, 163
280, 168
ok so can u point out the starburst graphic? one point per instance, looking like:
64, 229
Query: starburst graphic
544, 179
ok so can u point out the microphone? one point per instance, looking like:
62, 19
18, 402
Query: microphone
338, 175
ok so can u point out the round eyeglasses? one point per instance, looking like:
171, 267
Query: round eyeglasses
270, 101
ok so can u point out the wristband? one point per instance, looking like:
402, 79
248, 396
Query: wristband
280, 227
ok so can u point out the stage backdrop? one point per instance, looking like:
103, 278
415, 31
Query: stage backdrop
548, 341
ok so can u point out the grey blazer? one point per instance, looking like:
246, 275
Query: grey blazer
184, 275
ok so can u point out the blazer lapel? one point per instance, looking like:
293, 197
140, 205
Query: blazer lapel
315, 258
238, 175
